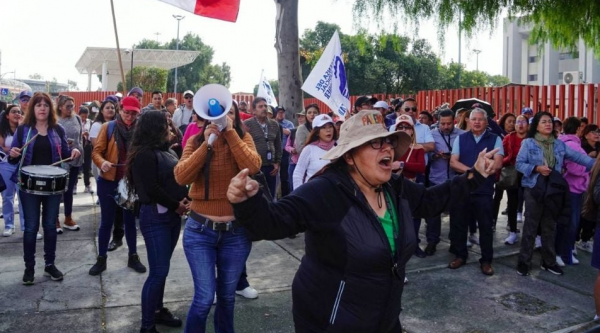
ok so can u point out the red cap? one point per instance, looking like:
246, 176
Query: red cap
130, 103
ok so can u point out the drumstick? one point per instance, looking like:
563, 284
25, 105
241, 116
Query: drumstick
30, 140
61, 161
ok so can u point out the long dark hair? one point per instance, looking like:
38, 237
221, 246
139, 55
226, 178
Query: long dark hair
151, 132
536, 121
100, 117
308, 124
314, 134
5, 129
237, 126
502, 121
30, 113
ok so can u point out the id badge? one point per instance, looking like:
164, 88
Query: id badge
269, 155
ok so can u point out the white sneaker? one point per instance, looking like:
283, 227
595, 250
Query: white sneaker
519, 217
88, 189
559, 261
469, 243
574, 260
474, 239
249, 292
538, 242
59, 231
8, 232
511, 239
74, 191
215, 299
585, 246
39, 236
405, 280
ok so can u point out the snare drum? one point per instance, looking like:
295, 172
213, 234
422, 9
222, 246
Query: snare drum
43, 179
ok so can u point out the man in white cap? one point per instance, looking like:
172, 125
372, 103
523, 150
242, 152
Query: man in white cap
183, 115
382, 107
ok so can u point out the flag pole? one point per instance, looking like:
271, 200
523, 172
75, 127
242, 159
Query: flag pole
112, 7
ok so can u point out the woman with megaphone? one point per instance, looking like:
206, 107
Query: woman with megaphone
212, 238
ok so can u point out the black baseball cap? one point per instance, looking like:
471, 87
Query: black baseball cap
364, 99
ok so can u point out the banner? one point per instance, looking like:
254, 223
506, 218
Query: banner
226, 10
265, 91
327, 81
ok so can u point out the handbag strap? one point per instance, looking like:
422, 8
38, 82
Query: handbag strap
23, 156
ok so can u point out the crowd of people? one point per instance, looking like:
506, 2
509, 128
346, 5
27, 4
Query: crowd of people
388, 166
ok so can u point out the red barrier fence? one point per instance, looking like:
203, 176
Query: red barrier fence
579, 100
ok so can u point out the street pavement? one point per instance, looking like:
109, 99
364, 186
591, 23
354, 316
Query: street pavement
436, 299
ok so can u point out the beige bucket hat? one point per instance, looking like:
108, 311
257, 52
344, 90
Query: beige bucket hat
362, 128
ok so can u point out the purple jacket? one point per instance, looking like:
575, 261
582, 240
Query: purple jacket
576, 175
57, 137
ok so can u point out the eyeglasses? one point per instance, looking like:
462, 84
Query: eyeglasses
189, 97
413, 109
402, 128
378, 143
15, 111
71, 106
521, 122
130, 113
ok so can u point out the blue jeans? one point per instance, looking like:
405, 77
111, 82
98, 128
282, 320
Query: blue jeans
106, 191
8, 197
161, 233
291, 169
206, 249
34, 206
565, 241
68, 195
271, 180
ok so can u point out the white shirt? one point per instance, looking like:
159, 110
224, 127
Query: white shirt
95, 129
310, 162
182, 116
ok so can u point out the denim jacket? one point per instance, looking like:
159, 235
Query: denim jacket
531, 155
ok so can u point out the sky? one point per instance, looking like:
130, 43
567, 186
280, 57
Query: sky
49, 37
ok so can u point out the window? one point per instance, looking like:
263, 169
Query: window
560, 76
568, 55
533, 77
533, 59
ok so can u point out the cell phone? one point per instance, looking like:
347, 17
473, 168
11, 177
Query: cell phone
446, 154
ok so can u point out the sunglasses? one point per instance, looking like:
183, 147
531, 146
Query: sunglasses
24, 100
70, 106
402, 128
14, 111
378, 143
413, 109
189, 97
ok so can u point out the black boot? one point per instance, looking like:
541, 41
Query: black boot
99, 266
149, 330
165, 317
135, 263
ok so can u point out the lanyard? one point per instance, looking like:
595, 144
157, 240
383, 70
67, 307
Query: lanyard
265, 129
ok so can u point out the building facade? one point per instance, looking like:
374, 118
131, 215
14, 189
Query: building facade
523, 64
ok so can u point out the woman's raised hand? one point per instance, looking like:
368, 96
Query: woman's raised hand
241, 187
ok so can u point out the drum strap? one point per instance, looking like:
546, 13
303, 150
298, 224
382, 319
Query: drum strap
23, 154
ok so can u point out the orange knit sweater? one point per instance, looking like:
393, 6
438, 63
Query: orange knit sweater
230, 155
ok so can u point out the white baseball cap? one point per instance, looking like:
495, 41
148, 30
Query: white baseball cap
381, 104
321, 120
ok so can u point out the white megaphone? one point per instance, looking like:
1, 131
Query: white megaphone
212, 102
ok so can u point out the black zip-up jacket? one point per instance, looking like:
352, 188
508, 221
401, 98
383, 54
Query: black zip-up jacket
346, 281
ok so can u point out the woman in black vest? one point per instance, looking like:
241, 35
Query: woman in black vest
150, 164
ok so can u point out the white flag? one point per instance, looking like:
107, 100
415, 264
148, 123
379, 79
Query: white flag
265, 91
327, 81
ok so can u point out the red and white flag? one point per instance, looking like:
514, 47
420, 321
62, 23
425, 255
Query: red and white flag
226, 10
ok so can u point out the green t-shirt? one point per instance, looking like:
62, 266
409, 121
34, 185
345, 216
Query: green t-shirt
387, 224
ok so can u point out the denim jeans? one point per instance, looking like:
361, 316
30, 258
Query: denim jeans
34, 206
8, 197
68, 195
477, 207
106, 191
283, 174
271, 180
205, 250
161, 233
291, 169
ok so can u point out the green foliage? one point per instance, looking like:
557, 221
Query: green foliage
147, 78
561, 22
388, 63
274, 85
198, 73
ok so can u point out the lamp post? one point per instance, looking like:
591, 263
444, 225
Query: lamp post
1, 76
130, 70
178, 18
477, 57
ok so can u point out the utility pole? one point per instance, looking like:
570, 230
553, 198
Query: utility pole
459, 45
157, 33
178, 18
477, 55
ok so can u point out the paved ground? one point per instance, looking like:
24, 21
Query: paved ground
435, 300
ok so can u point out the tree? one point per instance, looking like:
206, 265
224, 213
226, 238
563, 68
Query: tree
561, 22
147, 78
274, 86
36, 76
288, 57
469, 79
72, 85
200, 72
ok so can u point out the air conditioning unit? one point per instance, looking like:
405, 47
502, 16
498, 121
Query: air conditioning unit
571, 78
